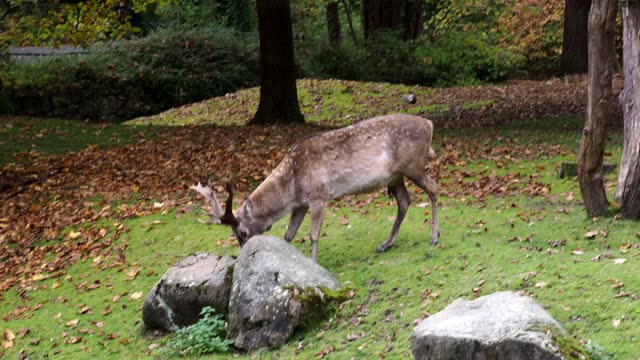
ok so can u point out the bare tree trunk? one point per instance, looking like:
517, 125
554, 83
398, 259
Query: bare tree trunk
278, 93
574, 41
628, 190
381, 14
601, 60
413, 14
333, 24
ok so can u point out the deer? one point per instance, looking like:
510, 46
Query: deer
359, 158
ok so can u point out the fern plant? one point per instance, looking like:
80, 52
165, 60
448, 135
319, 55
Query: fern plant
205, 336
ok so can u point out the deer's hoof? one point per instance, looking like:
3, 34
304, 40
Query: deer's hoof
434, 242
382, 248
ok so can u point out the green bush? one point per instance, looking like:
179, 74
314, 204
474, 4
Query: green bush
457, 59
138, 77
204, 337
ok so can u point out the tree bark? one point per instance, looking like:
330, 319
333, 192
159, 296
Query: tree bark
628, 189
574, 59
381, 14
278, 93
333, 24
601, 60
413, 21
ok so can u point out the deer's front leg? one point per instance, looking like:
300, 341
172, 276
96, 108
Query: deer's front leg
297, 215
317, 214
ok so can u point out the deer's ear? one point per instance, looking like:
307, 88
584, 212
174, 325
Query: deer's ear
248, 208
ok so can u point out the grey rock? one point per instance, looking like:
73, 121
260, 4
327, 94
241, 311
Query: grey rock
410, 98
276, 289
503, 325
194, 282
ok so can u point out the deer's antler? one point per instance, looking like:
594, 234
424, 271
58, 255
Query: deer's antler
207, 193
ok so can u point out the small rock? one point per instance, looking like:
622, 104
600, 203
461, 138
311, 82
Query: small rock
410, 98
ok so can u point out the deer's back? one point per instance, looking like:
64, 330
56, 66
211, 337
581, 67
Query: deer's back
360, 157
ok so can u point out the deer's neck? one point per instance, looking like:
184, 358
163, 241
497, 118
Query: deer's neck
273, 199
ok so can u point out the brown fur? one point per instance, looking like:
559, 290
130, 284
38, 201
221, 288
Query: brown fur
359, 158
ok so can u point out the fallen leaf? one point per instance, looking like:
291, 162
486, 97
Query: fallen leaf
621, 294
72, 323
7, 342
73, 340
132, 273
540, 285
616, 323
619, 261
592, 234
578, 252
74, 235
84, 310
136, 295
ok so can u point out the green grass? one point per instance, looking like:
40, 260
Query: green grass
329, 102
514, 242
502, 244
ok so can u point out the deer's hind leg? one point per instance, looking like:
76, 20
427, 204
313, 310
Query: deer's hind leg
400, 193
423, 181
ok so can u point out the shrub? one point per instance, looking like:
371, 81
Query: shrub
138, 77
457, 59
204, 337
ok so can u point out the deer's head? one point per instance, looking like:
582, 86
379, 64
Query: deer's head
243, 224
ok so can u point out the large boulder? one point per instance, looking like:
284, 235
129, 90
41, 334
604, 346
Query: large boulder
502, 325
195, 282
276, 289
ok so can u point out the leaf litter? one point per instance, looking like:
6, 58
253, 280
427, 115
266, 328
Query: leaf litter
43, 197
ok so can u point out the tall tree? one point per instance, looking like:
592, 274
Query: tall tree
333, 23
574, 59
278, 93
404, 15
381, 14
413, 18
628, 190
601, 60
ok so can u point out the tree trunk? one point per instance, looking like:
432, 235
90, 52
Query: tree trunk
628, 190
413, 20
574, 59
601, 59
381, 14
278, 93
333, 24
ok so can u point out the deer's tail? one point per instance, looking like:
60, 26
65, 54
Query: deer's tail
431, 154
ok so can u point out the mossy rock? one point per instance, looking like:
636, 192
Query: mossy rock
276, 292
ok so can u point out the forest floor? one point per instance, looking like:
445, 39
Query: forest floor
91, 215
